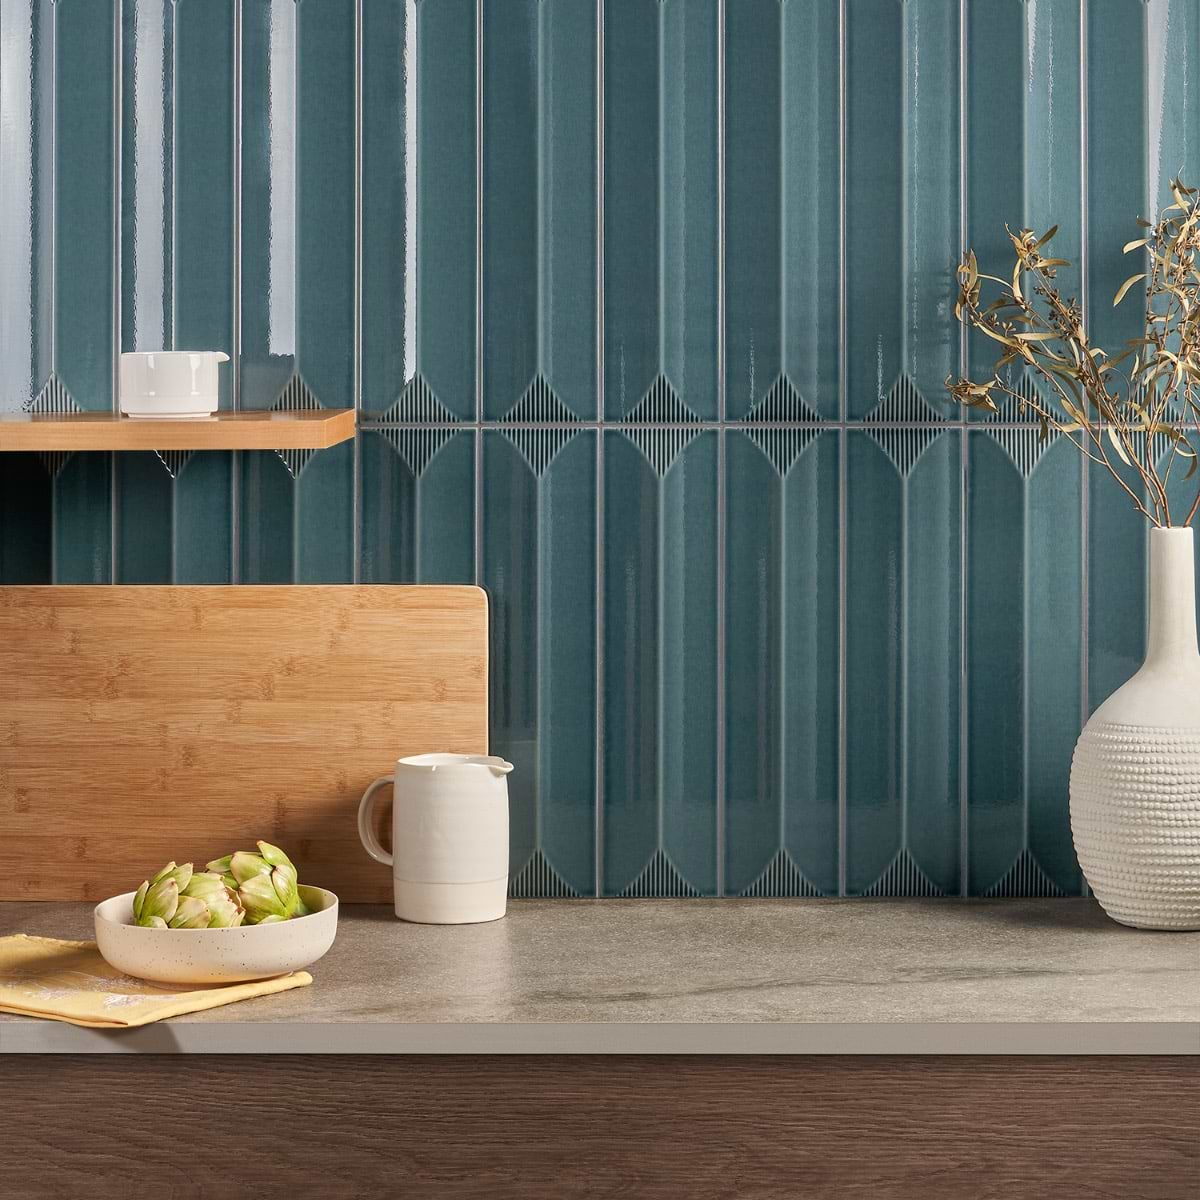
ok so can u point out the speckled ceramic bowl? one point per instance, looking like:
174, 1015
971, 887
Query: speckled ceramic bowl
215, 955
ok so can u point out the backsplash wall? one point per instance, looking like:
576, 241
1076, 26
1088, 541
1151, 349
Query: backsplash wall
647, 308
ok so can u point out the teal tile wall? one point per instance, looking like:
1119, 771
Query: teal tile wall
646, 308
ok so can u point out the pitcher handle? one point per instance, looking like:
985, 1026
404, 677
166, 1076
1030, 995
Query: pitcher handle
366, 833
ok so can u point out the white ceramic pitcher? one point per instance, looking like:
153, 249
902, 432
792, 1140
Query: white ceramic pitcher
449, 855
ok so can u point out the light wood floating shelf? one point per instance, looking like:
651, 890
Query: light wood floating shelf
304, 430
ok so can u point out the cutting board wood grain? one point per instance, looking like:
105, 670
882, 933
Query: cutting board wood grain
139, 724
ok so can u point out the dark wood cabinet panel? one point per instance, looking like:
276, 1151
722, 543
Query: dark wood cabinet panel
354, 1128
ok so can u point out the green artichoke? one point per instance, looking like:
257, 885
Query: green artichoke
266, 883
180, 898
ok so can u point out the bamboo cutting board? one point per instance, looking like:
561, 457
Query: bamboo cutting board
139, 724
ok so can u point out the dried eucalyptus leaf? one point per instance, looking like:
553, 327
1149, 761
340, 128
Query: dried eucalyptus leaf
1123, 290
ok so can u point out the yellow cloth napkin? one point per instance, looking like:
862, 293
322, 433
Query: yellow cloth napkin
69, 981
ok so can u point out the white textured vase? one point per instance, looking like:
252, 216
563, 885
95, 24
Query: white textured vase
1135, 778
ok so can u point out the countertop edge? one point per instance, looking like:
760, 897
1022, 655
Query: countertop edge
567, 1038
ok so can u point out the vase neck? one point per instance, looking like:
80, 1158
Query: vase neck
1172, 597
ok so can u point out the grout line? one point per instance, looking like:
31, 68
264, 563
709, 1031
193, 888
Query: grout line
722, 308
964, 469
660, 181
356, 470
298, 349
479, 422
1085, 603
478, 503
722, 518
1084, 283
53, 192
843, 457
235, 478
598, 666
53, 263
722, 713
118, 103
964, 675
174, 212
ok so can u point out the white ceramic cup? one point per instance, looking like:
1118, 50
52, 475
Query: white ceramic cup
449, 855
170, 383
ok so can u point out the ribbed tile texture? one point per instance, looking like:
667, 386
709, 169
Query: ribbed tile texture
647, 309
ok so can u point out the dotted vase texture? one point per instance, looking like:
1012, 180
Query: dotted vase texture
1135, 817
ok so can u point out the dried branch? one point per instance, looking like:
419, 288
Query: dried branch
1101, 405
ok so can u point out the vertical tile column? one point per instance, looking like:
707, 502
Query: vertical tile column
78, 44
174, 509
539, 345
418, 298
661, 489
1173, 61
1144, 110
902, 519
781, 488
1024, 516
298, 236
1117, 194
26, 280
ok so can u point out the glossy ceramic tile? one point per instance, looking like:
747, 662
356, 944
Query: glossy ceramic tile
1024, 163
297, 530
177, 259
84, 203
418, 506
174, 521
539, 567
660, 662
903, 655
81, 488
298, 280
1166, 34
147, 181
1024, 662
1116, 534
1173, 93
26, 199
902, 206
58, 257
203, 254
782, 209
298, 215
647, 308
781, 663
539, 209
418, 226
661, 209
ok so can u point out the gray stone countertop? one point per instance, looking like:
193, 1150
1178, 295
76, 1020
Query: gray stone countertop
703, 976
